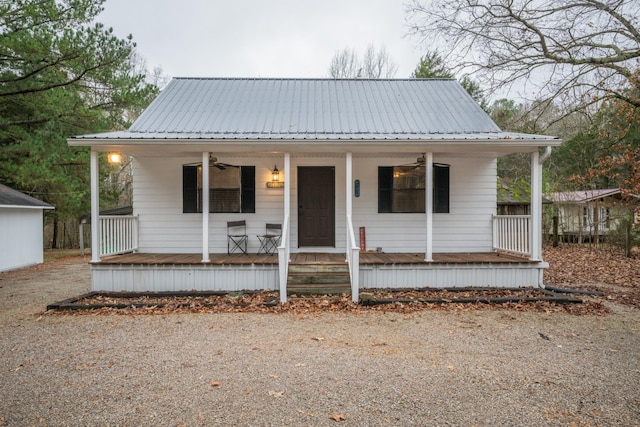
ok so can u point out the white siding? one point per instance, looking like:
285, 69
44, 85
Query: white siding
20, 238
467, 228
163, 228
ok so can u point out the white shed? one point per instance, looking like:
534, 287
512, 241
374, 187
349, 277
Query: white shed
20, 229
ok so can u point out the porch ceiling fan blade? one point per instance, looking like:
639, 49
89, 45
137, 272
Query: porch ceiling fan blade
420, 161
213, 161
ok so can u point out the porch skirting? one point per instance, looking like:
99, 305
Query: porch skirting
147, 272
183, 277
452, 275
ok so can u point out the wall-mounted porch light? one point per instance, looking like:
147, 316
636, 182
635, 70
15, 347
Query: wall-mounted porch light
275, 179
114, 157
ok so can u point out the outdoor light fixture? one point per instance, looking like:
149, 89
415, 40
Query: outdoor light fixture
114, 157
275, 179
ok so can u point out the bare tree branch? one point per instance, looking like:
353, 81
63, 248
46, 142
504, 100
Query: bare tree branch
346, 64
586, 51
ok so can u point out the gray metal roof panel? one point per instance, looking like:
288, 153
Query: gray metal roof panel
312, 109
323, 106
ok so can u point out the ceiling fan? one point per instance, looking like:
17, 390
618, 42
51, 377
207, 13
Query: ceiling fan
213, 161
420, 162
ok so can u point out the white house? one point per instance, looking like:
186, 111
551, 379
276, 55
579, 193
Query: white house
586, 214
21, 229
392, 180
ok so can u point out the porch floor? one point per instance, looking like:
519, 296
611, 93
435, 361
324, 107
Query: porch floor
366, 258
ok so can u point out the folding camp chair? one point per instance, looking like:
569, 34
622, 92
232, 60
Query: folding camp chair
271, 239
236, 236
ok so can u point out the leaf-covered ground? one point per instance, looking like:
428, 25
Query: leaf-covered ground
603, 268
404, 302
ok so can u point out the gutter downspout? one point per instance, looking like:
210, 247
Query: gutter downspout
546, 154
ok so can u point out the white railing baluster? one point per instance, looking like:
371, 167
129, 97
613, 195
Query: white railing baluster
353, 257
118, 234
511, 233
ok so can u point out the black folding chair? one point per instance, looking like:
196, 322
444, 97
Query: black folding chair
270, 240
237, 236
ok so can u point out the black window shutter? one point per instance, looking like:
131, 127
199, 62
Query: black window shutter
385, 185
440, 188
248, 189
189, 189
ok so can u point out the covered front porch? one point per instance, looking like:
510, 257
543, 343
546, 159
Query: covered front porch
211, 270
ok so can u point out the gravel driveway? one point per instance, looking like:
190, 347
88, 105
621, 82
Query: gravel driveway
440, 367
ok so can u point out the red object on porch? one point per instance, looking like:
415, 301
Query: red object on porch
363, 240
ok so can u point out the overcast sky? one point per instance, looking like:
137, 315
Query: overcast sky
260, 38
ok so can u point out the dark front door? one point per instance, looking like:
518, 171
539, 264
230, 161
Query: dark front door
316, 206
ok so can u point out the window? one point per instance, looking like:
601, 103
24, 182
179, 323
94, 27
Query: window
605, 216
230, 190
401, 189
586, 216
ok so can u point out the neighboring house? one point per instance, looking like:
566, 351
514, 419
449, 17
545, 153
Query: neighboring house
587, 214
404, 166
510, 204
21, 229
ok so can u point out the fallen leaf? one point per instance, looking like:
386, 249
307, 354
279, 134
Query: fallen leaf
338, 417
215, 384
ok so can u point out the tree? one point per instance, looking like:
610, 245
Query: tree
61, 74
583, 52
504, 112
346, 64
433, 66
616, 136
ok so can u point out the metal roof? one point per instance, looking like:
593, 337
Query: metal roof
13, 198
582, 195
314, 109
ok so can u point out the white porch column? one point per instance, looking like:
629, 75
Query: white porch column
349, 173
535, 225
428, 255
285, 245
353, 252
95, 208
287, 197
205, 207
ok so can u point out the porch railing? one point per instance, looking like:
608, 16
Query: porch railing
118, 234
353, 258
511, 233
283, 259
